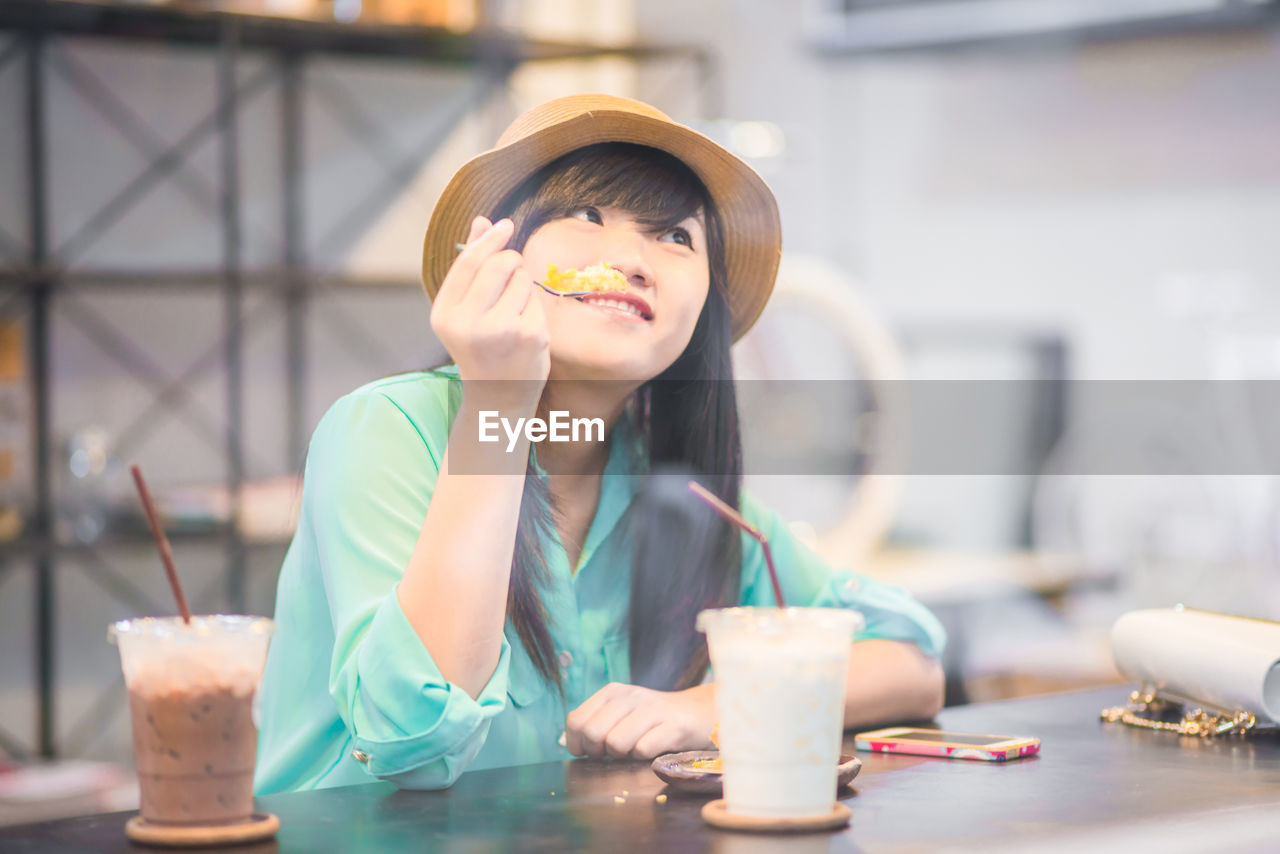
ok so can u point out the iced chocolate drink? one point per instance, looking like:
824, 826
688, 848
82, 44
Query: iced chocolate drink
194, 749
191, 691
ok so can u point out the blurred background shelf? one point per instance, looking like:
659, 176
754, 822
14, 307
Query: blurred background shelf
19, 278
205, 25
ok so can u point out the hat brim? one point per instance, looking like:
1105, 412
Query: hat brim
744, 202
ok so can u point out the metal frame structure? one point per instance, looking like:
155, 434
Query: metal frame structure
47, 283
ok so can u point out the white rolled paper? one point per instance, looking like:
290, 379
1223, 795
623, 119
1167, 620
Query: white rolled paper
1215, 659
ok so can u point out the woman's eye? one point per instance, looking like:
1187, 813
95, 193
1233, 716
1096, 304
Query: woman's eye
678, 235
587, 214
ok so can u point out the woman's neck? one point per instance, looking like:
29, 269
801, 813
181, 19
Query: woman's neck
594, 399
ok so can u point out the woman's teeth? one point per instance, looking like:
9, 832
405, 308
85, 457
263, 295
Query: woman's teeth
618, 304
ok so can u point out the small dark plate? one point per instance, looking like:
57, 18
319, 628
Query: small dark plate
678, 771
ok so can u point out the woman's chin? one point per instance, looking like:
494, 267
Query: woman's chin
606, 364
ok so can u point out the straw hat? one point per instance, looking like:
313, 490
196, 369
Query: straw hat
748, 212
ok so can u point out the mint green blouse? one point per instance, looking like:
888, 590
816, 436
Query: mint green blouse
351, 695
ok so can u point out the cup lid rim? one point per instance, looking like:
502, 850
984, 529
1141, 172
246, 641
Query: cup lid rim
791, 613
200, 625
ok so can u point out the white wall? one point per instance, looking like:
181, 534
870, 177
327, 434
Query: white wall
1123, 192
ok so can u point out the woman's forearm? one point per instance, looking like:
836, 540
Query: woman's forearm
891, 681
454, 591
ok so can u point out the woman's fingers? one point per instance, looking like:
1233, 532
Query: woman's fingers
480, 313
596, 731
479, 249
629, 721
577, 722
575, 738
490, 282
479, 226
533, 309
622, 739
515, 296
655, 742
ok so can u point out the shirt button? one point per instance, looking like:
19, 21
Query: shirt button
359, 756
850, 591
566, 659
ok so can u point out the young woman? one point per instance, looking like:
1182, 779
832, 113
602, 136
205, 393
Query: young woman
449, 603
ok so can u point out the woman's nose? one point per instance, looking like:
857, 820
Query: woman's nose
625, 252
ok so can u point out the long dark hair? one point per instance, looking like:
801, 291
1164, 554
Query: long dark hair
686, 420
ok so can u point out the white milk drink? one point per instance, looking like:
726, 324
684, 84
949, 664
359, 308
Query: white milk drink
780, 684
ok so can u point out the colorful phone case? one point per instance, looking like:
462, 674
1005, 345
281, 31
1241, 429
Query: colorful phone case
946, 751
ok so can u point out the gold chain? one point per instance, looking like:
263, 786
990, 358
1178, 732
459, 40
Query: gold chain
1196, 722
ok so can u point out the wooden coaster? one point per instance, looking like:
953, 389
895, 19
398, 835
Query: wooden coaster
716, 813
260, 826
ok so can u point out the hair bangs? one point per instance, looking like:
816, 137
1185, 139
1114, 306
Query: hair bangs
653, 186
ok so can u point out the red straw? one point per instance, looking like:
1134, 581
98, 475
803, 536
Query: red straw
751, 531
162, 543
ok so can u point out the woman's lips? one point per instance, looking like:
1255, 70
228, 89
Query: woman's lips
621, 304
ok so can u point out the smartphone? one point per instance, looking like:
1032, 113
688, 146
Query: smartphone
949, 745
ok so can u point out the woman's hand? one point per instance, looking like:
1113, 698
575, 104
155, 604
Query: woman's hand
488, 317
640, 723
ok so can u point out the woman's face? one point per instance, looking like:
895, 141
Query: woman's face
667, 280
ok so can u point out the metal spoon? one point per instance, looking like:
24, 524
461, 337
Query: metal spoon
547, 288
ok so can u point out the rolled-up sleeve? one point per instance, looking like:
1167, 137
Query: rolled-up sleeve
371, 472
891, 613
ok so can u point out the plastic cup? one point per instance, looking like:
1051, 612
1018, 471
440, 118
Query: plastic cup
780, 685
191, 705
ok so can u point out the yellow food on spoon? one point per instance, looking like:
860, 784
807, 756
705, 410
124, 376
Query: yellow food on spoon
597, 277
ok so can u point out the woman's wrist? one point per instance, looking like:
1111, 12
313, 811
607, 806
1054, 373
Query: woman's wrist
510, 398
481, 440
